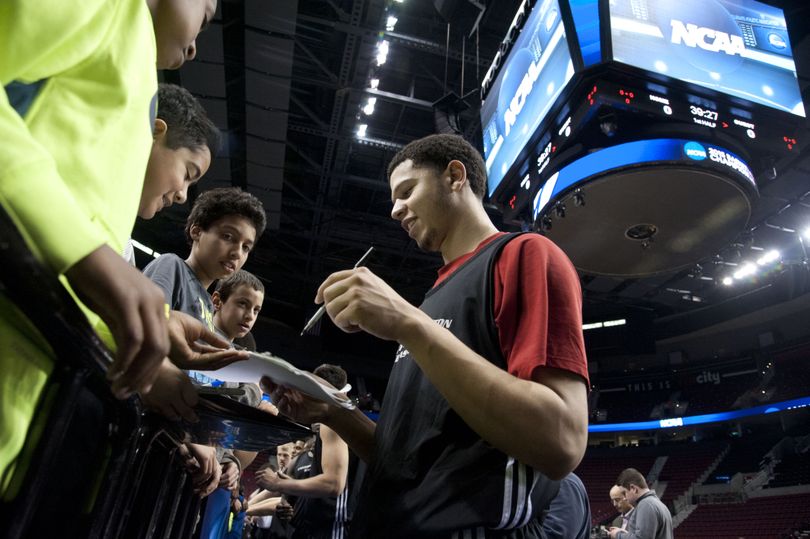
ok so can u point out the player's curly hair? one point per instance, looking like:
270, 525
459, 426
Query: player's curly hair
213, 205
436, 152
334, 374
188, 123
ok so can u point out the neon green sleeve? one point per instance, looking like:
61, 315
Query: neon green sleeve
33, 193
38, 41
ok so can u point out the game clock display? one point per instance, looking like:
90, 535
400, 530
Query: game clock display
703, 113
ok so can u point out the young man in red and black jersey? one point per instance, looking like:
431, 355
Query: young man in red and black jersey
486, 407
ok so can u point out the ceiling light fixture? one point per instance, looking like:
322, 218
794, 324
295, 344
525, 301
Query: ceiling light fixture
767, 258
747, 270
368, 109
361, 130
382, 52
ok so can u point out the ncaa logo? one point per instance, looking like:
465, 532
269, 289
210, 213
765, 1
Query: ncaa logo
777, 41
703, 34
695, 151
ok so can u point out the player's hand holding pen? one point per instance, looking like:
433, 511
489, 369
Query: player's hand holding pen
320, 312
359, 300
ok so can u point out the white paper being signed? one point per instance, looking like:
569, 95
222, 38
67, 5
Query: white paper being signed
283, 373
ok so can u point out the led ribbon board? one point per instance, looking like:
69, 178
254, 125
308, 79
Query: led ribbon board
687, 421
640, 153
532, 77
737, 47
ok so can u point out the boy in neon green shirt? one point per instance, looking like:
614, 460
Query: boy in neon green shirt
76, 122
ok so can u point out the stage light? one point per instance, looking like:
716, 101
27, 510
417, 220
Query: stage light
559, 210
545, 223
390, 23
368, 109
806, 233
728, 281
374, 83
361, 130
579, 198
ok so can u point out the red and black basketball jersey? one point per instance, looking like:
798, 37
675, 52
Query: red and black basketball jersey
432, 475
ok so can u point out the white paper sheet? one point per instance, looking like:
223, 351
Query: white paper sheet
283, 373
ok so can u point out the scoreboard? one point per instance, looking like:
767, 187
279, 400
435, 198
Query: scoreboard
575, 77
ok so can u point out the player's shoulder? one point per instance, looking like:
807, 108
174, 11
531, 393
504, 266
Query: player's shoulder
532, 242
531, 249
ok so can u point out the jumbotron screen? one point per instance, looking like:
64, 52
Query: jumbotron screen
737, 47
532, 77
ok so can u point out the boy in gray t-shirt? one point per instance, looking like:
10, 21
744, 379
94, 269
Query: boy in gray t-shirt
222, 228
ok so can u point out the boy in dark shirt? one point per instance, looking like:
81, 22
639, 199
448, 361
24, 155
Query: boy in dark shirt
237, 303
